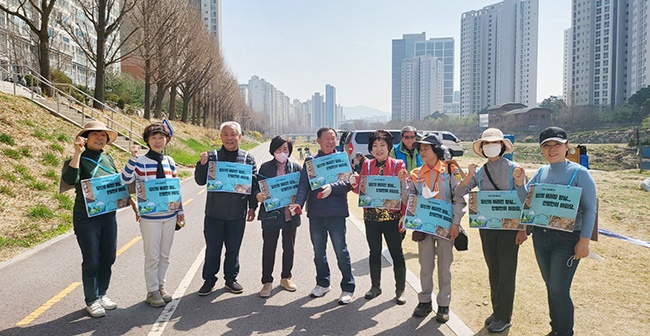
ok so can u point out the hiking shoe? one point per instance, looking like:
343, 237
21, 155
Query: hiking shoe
208, 286
345, 298
107, 303
165, 295
373, 293
489, 320
319, 291
497, 326
95, 309
234, 287
288, 285
266, 290
423, 309
399, 297
155, 300
442, 315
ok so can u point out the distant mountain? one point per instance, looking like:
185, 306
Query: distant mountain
364, 112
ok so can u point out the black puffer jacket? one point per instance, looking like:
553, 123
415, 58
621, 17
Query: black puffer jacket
269, 169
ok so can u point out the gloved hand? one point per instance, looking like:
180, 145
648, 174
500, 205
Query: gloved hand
354, 180
327, 190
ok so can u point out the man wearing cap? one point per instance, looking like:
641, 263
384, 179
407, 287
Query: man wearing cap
96, 236
500, 247
559, 252
405, 150
434, 180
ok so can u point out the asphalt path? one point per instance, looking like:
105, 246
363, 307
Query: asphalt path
42, 294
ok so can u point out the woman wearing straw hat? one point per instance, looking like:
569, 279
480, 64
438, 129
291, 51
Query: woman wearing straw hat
96, 235
500, 247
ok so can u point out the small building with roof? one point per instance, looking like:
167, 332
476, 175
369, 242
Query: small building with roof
517, 118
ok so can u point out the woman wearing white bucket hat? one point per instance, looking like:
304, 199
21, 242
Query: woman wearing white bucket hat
500, 247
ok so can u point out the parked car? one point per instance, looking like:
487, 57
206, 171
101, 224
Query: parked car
357, 141
449, 140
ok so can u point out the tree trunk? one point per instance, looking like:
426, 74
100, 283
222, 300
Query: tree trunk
100, 66
44, 61
147, 89
172, 102
186, 108
160, 95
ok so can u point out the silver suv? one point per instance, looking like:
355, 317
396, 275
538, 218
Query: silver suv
357, 141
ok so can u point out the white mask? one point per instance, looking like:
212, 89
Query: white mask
492, 150
281, 157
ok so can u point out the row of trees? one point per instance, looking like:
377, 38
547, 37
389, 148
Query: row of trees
166, 38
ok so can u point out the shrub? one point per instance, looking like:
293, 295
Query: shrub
40, 211
11, 153
56, 147
25, 151
50, 159
59, 77
6, 138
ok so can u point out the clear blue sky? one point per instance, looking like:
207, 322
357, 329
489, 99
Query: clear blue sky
299, 46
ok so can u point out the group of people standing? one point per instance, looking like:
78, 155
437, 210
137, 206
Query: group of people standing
422, 167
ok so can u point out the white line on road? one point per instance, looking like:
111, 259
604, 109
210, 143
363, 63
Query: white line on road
159, 326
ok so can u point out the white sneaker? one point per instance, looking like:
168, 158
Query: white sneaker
95, 309
107, 303
319, 291
345, 298
155, 300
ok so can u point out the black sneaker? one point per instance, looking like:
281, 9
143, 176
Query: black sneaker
442, 315
373, 293
498, 326
423, 309
489, 320
207, 287
234, 287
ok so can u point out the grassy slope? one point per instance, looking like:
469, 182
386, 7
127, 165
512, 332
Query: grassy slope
33, 146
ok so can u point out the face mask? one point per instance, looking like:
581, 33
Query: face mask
492, 150
281, 157
427, 193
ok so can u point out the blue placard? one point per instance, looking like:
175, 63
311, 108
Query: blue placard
280, 191
229, 177
377, 191
104, 194
328, 169
551, 205
493, 209
431, 216
159, 195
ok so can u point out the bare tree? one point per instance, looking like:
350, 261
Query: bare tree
104, 46
36, 15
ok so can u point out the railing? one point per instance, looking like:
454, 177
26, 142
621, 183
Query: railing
69, 100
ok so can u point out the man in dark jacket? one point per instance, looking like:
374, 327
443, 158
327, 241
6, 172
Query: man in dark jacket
225, 213
327, 208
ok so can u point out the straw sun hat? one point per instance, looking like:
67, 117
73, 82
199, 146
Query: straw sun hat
491, 135
99, 126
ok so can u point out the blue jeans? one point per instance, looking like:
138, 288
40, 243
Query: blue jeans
97, 238
318, 230
553, 250
217, 233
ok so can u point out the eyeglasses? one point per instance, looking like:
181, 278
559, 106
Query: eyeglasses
409, 137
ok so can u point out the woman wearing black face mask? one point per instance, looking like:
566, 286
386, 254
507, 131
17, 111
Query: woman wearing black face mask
500, 246
277, 220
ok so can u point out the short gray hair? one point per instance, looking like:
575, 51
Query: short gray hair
232, 124
408, 129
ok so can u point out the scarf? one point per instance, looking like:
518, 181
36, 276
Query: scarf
158, 157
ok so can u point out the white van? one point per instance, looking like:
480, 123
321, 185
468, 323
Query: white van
449, 140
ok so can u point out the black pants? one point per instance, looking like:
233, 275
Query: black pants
500, 253
269, 247
374, 233
219, 233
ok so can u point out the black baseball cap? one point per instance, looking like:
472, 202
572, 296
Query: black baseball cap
429, 139
553, 134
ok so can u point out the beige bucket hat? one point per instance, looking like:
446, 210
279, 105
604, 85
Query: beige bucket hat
99, 126
491, 135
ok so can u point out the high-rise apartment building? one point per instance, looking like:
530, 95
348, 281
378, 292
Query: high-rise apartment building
263, 97
422, 87
211, 15
331, 119
414, 45
499, 55
318, 119
608, 52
